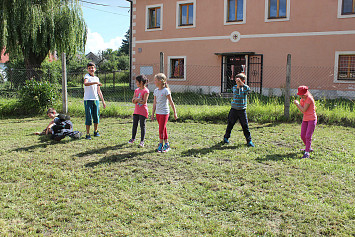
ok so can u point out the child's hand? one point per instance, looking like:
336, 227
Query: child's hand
175, 116
99, 84
296, 102
152, 117
104, 104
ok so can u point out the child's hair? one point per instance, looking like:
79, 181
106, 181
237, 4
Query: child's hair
51, 110
90, 64
161, 77
142, 78
242, 76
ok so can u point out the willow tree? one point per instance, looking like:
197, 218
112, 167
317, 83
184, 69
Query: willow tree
33, 28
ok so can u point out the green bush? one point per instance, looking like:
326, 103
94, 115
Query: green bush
36, 96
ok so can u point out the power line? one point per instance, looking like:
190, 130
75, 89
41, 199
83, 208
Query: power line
99, 4
105, 11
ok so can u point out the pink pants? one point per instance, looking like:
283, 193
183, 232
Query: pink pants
163, 120
307, 130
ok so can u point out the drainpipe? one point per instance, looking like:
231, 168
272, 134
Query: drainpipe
130, 41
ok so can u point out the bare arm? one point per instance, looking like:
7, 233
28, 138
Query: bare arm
86, 83
300, 107
144, 99
171, 102
49, 126
101, 96
154, 107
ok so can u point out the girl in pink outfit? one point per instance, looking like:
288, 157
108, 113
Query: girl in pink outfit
140, 114
308, 108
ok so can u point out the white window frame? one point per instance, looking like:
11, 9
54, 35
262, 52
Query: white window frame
147, 17
178, 14
336, 64
226, 22
288, 11
169, 68
340, 7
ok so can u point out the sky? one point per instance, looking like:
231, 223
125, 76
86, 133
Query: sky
107, 22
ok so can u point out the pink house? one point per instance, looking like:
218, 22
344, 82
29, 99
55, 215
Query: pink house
200, 44
3, 59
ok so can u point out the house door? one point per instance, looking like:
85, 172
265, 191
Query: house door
231, 66
255, 73
252, 65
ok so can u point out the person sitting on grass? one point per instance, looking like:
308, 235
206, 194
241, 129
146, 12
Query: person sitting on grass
51, 113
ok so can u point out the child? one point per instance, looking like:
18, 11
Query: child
92, 92
238, 110
51, 113
308, 108
162, 96
140, 113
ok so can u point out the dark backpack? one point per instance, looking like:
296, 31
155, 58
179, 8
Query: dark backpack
62, 124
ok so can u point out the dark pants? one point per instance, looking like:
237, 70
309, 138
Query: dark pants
235, 115
141, 119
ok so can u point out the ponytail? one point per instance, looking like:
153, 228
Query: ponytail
161, 77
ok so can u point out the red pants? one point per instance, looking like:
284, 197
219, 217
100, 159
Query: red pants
162, 121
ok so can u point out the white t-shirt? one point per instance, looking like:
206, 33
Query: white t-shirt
162, 106
90, 92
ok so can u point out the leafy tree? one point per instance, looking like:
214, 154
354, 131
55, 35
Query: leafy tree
124, 49
113, 60
33, 28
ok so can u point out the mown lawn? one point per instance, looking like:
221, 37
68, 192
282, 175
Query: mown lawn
106, 187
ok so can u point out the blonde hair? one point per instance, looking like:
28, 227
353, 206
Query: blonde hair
161, 77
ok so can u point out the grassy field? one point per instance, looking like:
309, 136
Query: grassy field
106, 187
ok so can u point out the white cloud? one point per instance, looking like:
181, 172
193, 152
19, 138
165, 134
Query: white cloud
95, 43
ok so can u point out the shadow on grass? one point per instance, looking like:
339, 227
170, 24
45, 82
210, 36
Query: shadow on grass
206, 150
117, 158
283, 156
100, 150
45, 142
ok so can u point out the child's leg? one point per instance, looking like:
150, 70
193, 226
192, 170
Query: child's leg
88, 115
232, 119
310, 129
142, 120
243, 118
96, 113
304, 131
135, 125
162, 120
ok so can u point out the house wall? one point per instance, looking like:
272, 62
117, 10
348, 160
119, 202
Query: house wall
312, 35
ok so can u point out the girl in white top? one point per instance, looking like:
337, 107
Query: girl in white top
162, 99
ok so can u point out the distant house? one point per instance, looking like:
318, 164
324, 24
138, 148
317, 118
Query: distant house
93, 58
4, 58
204, 43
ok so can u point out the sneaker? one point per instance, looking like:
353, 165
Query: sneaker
160, 147
88, 137
131, 141
141, 144
250, 144
306, 155
96, 134
166, 147
303, 150
225, 140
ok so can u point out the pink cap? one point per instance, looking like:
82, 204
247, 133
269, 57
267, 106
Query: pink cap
302, 90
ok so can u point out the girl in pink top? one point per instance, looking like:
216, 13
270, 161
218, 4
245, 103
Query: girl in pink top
308, 108
140, 114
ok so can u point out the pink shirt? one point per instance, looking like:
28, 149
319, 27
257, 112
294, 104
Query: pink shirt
141, 109
310, 113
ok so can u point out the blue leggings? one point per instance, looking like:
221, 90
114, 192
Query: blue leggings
92, 111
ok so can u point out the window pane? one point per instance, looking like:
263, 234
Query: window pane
347, 6
231, 7
151, 18
346, 68
282, 8
183, 15
240, 10
273, 8
158, 18
191, 14
177, 68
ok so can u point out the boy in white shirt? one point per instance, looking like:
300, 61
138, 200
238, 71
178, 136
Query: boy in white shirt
92, 92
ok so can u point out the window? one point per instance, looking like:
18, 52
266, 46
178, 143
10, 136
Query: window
277, 10
154, 18
186, 14
348, 7
235, 10
177, 68
344, 67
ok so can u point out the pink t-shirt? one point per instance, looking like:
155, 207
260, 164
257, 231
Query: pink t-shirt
141, 109
310, 113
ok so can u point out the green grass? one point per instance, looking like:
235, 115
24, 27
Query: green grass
106, 187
